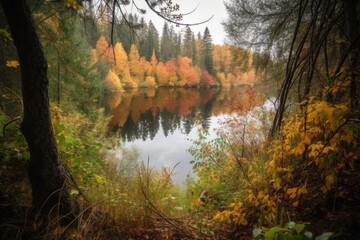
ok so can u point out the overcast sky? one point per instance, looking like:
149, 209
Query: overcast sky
205, 9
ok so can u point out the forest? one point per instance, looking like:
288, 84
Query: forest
81, 78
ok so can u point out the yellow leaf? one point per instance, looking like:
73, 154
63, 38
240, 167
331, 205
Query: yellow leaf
231, 205
272, 163
292, 192
99, 179
327, 149
329, 180
307, 140
300, 148
265, 199
295, 204
302, 189
219, 217
12, 64
260, 195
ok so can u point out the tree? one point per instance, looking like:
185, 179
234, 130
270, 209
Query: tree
128, 25
142, 35
151, 42
122, 66
113, 82
207, 51
165, 44
45, 170
188, 47
188, 75
299, 34
137, 69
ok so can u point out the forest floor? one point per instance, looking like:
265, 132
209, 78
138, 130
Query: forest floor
18, 222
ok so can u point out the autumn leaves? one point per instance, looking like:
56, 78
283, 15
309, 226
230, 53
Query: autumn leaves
134, 71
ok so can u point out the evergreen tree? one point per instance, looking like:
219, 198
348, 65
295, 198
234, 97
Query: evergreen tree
72, 78
178, 44
208, 51
172, 42
199, 58
151, 43
142, 36
165, 44
193, 49
125, 33
187, 50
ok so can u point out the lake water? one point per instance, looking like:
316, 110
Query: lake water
160, 122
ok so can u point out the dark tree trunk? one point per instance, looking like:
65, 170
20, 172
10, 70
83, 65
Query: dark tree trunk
352, 31
45, 170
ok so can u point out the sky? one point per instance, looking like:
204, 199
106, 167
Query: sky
205, 9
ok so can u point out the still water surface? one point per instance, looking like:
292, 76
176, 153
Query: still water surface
160, 122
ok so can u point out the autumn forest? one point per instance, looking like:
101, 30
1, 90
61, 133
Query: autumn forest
116, 127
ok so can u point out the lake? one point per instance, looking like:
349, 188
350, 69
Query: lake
160, 122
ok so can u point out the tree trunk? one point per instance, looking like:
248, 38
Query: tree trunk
46, 173
352, 34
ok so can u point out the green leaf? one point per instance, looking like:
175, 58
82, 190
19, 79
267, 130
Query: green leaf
324, 236
256, 232
280, 236
74, 192
308, 234
290, 225
299, 228
5, 34
269, 235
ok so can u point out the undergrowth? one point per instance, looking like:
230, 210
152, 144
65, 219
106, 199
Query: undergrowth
309, 172
119, 196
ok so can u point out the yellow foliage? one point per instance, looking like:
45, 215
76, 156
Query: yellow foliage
99, 179
150, 81
72, 4
12, 63
113, 82
316, 140
292, 192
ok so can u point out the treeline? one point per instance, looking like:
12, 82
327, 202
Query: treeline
133, 70
139, 57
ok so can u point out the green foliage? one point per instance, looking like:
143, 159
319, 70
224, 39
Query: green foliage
291, 231
12, 142
74, 80
80, 142
207, 51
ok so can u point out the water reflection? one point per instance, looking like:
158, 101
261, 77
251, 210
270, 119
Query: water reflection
159, 122
141, 113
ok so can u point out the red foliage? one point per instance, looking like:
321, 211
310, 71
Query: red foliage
207, 79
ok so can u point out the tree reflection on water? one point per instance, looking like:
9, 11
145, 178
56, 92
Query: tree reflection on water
140, 113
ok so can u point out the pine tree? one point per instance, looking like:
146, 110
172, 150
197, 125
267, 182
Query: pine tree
165, 44
208, 51
187, 50
142, 35
151, 43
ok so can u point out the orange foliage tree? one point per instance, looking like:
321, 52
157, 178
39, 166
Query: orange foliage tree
113, 82
121, 66
207, 80
137, 70
188, 75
